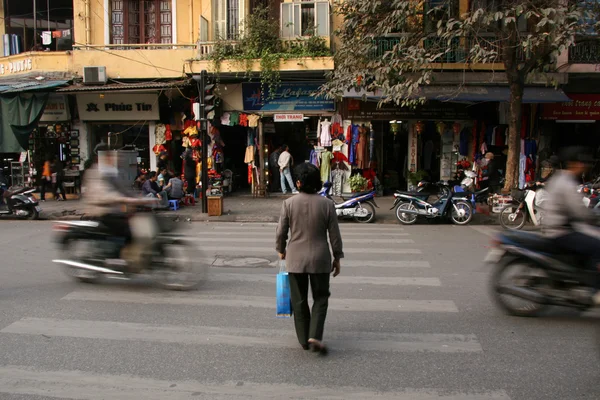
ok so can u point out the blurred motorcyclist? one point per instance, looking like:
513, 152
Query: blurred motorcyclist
105, 195
567, 220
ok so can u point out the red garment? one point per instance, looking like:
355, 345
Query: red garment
250, 174
524, 123
188, 123
338, 156
159, 148
244, 119
349, 134
529, 170
336, 130
168, 133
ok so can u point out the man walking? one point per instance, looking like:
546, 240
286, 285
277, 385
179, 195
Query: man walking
285, 163
274, 167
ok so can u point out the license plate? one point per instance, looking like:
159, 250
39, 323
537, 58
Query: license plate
38, 208
494, 256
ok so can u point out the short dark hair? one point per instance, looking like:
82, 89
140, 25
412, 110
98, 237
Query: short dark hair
151, 174
284, 147
309, 177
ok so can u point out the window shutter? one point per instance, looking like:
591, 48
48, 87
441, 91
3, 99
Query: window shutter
220, 19
287, 20
322, 20
203, 30
297, 15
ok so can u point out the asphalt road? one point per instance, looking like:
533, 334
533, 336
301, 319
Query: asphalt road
410, 318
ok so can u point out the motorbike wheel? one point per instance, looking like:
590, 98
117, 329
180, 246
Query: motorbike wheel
527, 275
33, 214
464, 214
79, 250
178, 268
369, 218
406, 219
512, 217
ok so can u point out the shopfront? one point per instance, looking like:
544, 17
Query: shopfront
121, 121
293, 116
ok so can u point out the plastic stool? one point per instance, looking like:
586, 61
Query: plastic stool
174, 205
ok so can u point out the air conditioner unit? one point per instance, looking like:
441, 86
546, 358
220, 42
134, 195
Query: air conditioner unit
94, 75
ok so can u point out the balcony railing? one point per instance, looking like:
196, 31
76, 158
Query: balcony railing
586, 51
142, 46
457, 52
205, 49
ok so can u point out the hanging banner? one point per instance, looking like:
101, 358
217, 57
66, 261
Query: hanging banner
583, 107
290, 96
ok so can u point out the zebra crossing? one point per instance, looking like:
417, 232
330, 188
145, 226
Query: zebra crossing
231, 320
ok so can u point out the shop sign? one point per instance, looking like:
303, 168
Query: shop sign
118, 107
412, 150
288, 118
16, 66
288, 97
582, 107
432, 110
56, 109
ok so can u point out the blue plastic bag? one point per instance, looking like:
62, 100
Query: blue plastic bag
284, 300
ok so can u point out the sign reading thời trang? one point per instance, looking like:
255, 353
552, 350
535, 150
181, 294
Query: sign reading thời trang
118, 107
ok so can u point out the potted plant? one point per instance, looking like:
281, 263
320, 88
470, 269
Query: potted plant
358, 183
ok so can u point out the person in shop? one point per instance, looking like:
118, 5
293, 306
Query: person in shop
285, 163
46, 178
163, 178
174, 188
492, 173
309, 219
190, 171
163, 161
274, 167
152, 190
59, 186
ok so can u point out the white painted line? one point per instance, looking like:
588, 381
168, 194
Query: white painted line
271, 239
385, 264
79, 385
354, 305
344, 280
225, 250
244, 337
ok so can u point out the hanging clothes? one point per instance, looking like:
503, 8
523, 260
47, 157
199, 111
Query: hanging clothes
362, 149
314, 158
522, 168
337, 177
326, 158
353, 144
371, 144
325, 133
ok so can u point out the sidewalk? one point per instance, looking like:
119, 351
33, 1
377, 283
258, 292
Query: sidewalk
237, 208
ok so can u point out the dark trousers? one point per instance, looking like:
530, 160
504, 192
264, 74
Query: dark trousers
191, 185
118, 225
45, 183
587, 246
60, 186
275, 180
309, 326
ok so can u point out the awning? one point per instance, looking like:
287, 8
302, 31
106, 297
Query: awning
30, 86
476, 94
111, 87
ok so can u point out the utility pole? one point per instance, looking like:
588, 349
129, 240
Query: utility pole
206, 98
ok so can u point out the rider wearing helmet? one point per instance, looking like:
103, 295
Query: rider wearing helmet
566, 219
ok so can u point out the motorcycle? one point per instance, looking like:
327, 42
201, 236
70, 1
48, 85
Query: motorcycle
20, 202
544, 275
410, 205
361, 206
89, 252
527, 204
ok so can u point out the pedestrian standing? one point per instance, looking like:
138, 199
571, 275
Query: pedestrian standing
274, 167
59, 186
309, 218
285, 166
46, 178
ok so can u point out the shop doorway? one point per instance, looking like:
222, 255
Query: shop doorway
122, 137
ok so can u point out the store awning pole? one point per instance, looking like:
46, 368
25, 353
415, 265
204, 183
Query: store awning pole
261, 157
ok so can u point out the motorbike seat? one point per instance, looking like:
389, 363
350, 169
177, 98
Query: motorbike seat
533, 241
415, 194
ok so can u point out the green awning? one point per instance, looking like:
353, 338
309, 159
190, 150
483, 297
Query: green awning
30, 86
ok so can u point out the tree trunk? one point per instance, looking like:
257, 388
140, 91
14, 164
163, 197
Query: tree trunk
514, 135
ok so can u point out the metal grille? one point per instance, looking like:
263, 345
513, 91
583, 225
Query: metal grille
146, 21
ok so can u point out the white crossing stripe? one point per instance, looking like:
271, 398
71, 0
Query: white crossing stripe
244, 337
354, 305
347, 280
385, 264
263, 240
271, 250
79, 385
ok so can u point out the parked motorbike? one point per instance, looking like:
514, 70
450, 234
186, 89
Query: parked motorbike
410, 205
527, 205
532, 273
361, 206
89, 252
20, 202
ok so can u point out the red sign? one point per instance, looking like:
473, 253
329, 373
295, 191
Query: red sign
583, 107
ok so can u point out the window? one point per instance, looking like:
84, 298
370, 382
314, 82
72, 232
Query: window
227, 17
141, 21
305, 18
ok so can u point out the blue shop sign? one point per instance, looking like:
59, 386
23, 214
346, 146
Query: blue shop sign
288, 97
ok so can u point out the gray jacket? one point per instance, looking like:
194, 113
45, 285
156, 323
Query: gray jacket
309, 218
564, 211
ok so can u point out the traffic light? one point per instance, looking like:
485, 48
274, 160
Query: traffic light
207, 98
